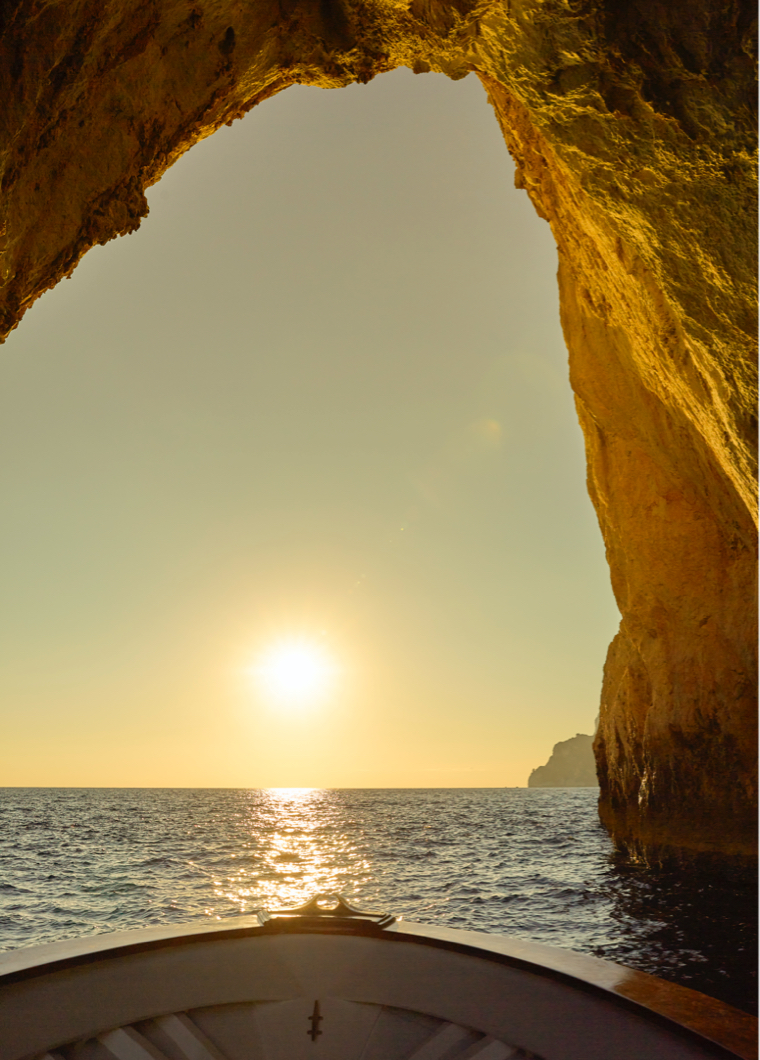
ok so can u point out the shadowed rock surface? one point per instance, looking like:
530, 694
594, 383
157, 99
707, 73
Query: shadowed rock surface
571, 765
632, 126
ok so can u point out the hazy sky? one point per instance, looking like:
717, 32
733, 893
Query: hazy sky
320, 396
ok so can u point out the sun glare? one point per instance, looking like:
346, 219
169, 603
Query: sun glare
295, 672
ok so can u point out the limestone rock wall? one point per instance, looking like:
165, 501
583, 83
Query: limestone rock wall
633, 131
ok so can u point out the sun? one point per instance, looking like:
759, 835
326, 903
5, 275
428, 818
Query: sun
295, 672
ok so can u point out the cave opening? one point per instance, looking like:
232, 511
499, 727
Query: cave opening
323, 388
635, 138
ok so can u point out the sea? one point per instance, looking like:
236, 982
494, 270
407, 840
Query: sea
529, 862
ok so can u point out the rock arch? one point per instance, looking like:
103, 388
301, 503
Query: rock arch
632, 128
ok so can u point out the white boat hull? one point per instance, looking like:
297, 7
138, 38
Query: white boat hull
306, 989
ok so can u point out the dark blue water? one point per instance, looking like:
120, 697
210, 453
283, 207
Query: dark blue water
530, 862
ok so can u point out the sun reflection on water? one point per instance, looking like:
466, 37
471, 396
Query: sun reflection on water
297, 846
534, 863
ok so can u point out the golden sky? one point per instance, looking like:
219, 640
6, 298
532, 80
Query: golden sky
319, 399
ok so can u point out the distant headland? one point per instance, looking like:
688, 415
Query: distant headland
571, 765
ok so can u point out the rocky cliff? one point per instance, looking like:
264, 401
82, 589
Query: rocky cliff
571, 765
633, 132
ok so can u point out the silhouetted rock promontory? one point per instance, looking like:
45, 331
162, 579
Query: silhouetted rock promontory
571, 765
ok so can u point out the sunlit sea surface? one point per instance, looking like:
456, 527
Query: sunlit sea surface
530, 862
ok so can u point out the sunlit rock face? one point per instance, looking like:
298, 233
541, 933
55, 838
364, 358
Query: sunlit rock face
632, 128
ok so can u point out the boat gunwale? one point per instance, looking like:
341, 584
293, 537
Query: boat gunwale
739, 1041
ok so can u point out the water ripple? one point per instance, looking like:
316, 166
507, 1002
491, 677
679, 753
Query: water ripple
529, 862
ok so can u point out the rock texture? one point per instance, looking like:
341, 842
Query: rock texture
633, 132
571, 765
